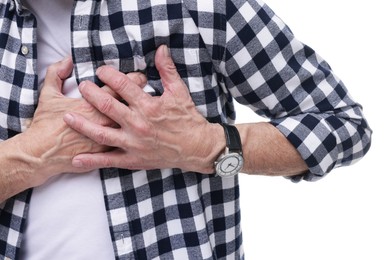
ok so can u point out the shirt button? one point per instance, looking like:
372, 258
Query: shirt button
24, 50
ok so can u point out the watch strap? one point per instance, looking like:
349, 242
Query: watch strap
233, 140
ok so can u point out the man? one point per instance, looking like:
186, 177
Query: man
155, 133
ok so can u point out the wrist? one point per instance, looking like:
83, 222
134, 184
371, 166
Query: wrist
18, 170
26, 161
218, 145
210, 143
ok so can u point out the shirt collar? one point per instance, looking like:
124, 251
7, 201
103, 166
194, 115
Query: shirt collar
18, 5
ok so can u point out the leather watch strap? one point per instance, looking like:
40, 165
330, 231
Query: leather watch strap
233, 140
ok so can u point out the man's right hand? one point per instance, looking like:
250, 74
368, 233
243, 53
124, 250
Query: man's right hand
49, 144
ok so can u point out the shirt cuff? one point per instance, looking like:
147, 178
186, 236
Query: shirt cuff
313, 138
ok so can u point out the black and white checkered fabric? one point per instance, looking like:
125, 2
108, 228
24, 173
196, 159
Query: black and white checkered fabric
224, 50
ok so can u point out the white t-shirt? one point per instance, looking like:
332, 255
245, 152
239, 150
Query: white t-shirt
67, 218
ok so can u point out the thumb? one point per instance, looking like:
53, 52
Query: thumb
55, 76
170, 78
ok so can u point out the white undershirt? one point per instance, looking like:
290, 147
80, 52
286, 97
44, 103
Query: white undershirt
67, 218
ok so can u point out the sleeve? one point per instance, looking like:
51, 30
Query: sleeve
266, 68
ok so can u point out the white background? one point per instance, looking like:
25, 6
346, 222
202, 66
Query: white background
346, 215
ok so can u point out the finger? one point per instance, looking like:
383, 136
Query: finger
104, 102
170, 78
137, 77
129, 87
55, 75
99, 160
100, 134
165, 65
111, 92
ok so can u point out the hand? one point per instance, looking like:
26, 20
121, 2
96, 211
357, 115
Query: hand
154, 132
48, 142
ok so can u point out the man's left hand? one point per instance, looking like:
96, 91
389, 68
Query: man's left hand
154, 132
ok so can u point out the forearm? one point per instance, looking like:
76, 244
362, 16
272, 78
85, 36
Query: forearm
17, 168
268, 152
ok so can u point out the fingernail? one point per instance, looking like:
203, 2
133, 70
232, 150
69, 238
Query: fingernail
98, 70
67, 58
68, 118
82, 86
77, 163
142, 78
166, 51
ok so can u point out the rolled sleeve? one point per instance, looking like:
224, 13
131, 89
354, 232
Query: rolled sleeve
269, 70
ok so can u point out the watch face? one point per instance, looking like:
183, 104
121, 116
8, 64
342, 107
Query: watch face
230, 164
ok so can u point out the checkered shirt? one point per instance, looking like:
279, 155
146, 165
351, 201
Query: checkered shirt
224, 50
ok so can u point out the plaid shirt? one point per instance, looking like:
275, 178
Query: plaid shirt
224, 50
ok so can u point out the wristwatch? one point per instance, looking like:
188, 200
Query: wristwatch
231, 161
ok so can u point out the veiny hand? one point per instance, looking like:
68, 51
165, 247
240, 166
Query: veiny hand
50, 143
154, 132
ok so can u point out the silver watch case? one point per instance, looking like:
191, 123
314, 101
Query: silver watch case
229, 164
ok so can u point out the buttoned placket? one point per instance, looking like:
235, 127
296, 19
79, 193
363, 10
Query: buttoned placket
17, 5
121, 239
26, 50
